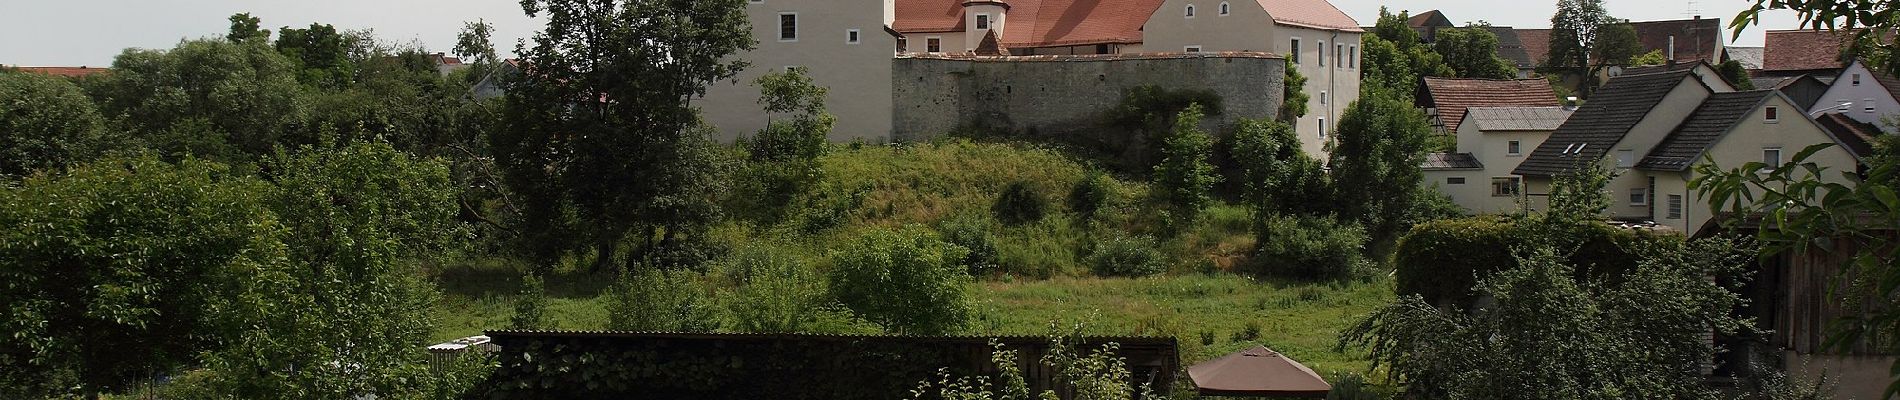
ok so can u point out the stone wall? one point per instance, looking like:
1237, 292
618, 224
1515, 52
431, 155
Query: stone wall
1068, 95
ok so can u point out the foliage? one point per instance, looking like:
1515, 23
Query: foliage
320, 53
245, 27
1549, 335
906, 280
1020, 203
1306, 247
1581, 32
633, 157
1293, 97
784, 156
1800, 213
1472, 52
1866, 25
1089, 195
655, 300
1278, 177
531, 305
1097, 375
350, 310
1380, 143
95, 264
1184, 181
1153, 110
214, 99
1394, 60
778, 293
1618, 44
475, 44
1133, 256
46, 122
1442, 260
1655, 57
972, 232
1736, 74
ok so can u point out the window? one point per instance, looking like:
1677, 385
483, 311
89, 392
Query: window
933, 45
1639, 196
1339, 51
1192, 49
851, 36
1190, 11
1773, 114
1515, 148
1625, 158
1322, 128
1456, 180
1322, 53
1224, 8
788, 27
1856, 79
1322, 97
903, 44
1675, 206
1506, 186
1868, 106
982, 21
1771, 156
1295, 52
1101, 49
1352, 56
756, 1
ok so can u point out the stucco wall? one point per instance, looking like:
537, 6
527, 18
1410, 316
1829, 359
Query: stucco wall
1745, 143
1491, 149
857, 75
1663, 119
1869, 89
1068, 95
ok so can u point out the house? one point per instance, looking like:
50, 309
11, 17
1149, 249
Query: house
446, 64
1652, 129
846, 48
1862, 94
1511, 47
1749, 57
1536, 44
1803, 52
1689, 40
1025, 27
1445, 99
1491, 141
495, 83
1805, 90
1428, 23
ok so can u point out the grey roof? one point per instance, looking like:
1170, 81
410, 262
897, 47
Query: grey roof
1749, 57
1450, 161
1511, 47
1506, 119
1602, 122
1713, 119
1771, 82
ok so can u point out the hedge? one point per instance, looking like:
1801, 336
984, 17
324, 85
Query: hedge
1442, 260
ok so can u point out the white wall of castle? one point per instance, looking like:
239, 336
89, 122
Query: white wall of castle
858, 74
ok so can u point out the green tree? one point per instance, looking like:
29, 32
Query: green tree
531, 305
602, 126
244, 28
778, 292
351, 310
1616, 45
1472, 52
47, 122
1277, 177
1394, 60
905, 280
785, 154
126, 268
1651, 58
654, 300
1380, 143
1294, 99
321, 53
475, 44
1736, 74
214, 99
1184, 181
1575, 31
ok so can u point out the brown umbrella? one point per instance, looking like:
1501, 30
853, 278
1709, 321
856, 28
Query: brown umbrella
1257, 372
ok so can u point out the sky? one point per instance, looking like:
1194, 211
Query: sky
92, 32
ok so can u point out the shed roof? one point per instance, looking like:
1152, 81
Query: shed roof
1513, 119
1706, 126
1450, 162
1453, 95
1602, 122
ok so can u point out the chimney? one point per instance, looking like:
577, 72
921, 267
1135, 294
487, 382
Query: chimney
1671, 55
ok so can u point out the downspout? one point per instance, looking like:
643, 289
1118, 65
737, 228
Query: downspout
1332, 85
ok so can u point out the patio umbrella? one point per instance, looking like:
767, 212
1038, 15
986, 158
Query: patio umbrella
1257, 372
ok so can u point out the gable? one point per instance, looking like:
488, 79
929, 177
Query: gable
1601, 123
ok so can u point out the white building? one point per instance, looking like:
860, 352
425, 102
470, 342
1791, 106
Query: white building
1491, 142
1863, 95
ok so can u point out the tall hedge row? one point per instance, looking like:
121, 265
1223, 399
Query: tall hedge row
1442, 260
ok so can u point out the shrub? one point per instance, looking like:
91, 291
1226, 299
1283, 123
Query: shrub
904, 280
777, 293
972, 232
652, 300
1184, 181
1443, 260
531, 305
1089, 195
1126, 256
1019, 204
1303, 247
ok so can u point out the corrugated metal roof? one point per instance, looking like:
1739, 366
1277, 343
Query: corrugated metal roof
1510, 119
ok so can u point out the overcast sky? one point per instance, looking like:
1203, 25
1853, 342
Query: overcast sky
91, 32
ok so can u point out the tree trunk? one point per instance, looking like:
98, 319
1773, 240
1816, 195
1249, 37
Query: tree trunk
604, 249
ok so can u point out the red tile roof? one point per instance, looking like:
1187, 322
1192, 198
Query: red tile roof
1536, 44
67, 72
1050, 23
1452, 96
1319, 14
1802, 50
1696, 39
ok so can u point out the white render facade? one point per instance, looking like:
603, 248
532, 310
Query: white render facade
1860, 94
1497, 138
844, 46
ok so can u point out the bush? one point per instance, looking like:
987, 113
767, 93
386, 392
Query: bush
777, 293
972, 232
1089, 195
1303, 247
652, 300
906, 281
1019, 204
1443, 260
1127, 256
531, 305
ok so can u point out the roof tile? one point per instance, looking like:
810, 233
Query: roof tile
1597, 126
1452, 96
1703, 128
1449, 162
1516, 119
1802, 50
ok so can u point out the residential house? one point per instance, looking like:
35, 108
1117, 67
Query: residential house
1428, 23
1511, 47
1803, 52
1652, 129
1689, 40
1445, 99
446, 64
1749, 57
1491, 141
1862, 94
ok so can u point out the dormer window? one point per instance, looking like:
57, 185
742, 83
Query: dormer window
1225, 8
1190, 11
982, 21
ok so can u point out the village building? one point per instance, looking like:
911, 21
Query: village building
1862, 94
1803, 52
844, 46
1445, 99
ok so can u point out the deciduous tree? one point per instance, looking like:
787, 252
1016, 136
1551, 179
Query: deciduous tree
1472, 52
215, 99
1184, 181
46, 122
1380, 143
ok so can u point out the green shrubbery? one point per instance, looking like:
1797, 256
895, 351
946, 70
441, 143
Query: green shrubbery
1020, 203
1127, 256
1089, 195
777, 292
1443, 260
652, 300
905, 280
972, 232
1303, 247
